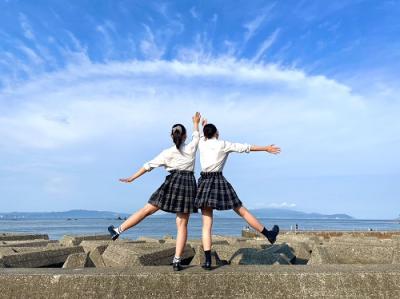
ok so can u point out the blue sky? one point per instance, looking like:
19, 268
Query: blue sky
89, 90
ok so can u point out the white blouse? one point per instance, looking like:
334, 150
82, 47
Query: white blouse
214, 152
173, 159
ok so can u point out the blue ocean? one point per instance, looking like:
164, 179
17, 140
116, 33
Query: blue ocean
159, 226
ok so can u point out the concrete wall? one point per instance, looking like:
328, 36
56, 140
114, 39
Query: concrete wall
335, 281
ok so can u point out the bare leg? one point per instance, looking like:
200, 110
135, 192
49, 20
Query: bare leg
251, 220
182, 220
207, 226
135, 218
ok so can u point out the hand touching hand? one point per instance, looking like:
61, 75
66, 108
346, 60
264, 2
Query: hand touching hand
272, 149
196, 118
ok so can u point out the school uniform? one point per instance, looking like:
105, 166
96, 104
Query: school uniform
213, 189
177, 193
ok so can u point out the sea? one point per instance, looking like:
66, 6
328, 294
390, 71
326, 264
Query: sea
159, 226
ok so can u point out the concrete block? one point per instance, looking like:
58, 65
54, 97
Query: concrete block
128, 255
96, 259
27, 243
76, 260
88, 246
352, 254
151, 240
275, 254
199, 258
68, 240
42, 258
6, 251
217, 239
302, 252
19, 236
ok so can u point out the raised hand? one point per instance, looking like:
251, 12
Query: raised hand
272, 149
196, 118
204, 122
127, 180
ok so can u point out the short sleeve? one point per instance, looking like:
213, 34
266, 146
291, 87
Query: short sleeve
229, 147
156, 162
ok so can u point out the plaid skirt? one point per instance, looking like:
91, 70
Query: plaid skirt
216, 192
177, 193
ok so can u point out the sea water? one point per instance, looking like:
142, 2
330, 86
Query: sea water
159, 226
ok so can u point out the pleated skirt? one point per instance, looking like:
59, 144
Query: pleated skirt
214, 191
177, 193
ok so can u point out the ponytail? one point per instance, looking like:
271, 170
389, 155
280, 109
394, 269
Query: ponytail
178, 134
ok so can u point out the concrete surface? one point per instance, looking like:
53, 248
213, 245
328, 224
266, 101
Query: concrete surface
323, 281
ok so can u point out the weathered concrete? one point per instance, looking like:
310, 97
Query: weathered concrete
351, 254
96, 259
199, 258
68, 240
333, 281
127, 255
28, 243
151, 240
76, 260
326, 235
6, 251
42, 258
19, 236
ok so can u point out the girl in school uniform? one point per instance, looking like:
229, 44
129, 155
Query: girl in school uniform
215, 192
177, 193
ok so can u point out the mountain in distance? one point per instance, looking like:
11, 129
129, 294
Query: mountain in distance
293, 214
88, 214
72, 214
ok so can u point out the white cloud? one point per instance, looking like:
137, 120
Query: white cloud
266, 45
320, 123
149, 47
26, 27
282, 205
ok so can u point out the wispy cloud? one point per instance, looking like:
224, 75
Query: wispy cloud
149, 47
26, 27
266, 45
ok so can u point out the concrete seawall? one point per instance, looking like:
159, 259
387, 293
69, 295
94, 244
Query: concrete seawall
320, 281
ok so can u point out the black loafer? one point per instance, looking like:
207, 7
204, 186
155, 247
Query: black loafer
272, 234
113, 233
206, 266
177, 266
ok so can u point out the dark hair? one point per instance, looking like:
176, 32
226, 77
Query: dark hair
209, 131
178, 132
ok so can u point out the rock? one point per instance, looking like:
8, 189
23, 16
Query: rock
127, 255
42, 258
76, 260
68, 240
19, 237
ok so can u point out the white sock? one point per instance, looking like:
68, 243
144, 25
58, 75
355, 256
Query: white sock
176, 259
118, 230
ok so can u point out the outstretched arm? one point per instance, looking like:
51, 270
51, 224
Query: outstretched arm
272, 149
148, 166
139, 173
196, 120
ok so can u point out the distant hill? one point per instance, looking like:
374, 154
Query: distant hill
87, 214
73, 214
288, 214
